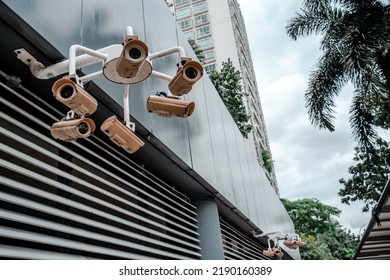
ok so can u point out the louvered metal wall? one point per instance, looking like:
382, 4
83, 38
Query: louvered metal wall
83, 199
238, 246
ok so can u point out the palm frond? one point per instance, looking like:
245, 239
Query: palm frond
361, 121
325, 83
307, 23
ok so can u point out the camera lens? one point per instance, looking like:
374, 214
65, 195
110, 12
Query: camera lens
66, 92
135, 53
83, 127
191, 72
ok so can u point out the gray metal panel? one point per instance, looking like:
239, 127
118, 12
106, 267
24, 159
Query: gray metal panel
219, 145
58, 21
260, 200
241, 197
253, 167
202, 153
231, 131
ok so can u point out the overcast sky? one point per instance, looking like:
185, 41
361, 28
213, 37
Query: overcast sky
309, 162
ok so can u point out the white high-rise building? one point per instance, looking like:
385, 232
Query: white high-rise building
218, 28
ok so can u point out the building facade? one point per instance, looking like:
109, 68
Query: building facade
218, 28
193, 190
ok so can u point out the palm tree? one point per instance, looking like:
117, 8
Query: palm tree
356, 48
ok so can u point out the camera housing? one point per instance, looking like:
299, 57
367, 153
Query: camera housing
170, 106
74, 96
293, 244
268, 253
186, 76
132, 57
70, 130
278, 252
121, 135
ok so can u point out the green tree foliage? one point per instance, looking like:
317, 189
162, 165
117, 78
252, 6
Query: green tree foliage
369, 176
317, 226
356, 48
228, 85
314, 249
197, 50
310, 216
341, 243
267, 160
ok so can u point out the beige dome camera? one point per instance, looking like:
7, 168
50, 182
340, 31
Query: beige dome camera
187, 75
278, 252
74, 96
121, 135
268, 253
168, 106
293, 244
70, 130
133, 55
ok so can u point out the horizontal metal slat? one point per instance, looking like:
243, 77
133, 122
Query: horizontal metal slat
15, 252
62, 200
54, 183
25, 219
251, 250
238, 246
71, 244
58, 172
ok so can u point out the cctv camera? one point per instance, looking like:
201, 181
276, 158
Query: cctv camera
290, 244
121, 135
278, 252
133, 55
69, 130
74, 96
186, 76
293, 244
170, 106
268, 253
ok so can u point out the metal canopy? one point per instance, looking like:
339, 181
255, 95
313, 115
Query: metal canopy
375, 244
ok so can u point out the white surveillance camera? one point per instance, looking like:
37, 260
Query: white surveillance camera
121, 135
70, 130
188, 74
170, 106
133, 56
74, 96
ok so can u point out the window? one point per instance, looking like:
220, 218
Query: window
203, 31
189, 35
185, 23
209, 55
210, 67
181, 2
201, 19
199, 8
183, 13
206, 43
